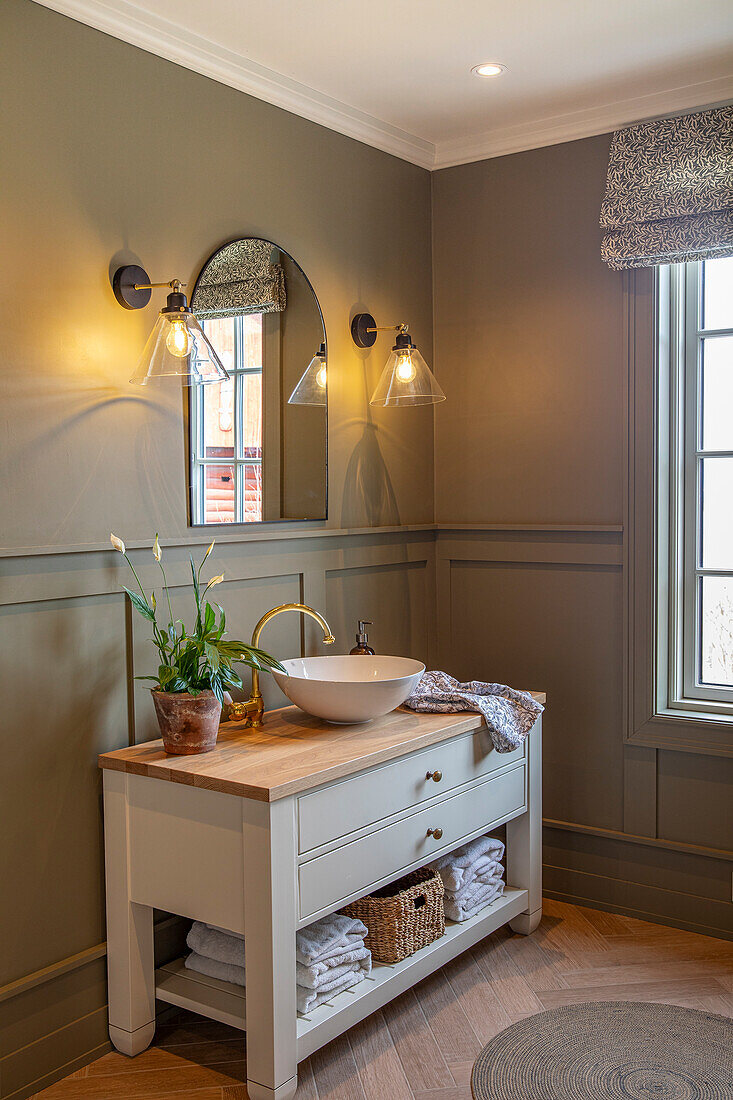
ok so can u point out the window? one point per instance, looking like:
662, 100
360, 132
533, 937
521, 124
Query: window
695, 487
226, 427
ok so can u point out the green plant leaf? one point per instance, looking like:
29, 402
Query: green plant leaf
140, 605
211, 654
216, 687
209, 619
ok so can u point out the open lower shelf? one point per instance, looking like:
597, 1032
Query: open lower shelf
224, 1001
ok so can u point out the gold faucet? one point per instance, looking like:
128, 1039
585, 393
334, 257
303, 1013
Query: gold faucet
253, 710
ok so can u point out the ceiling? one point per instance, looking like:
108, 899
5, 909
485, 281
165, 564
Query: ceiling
396, 73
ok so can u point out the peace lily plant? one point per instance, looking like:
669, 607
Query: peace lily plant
193, 664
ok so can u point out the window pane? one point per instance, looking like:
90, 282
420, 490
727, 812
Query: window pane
717, 513
252, 340
220, 331
716, 648
718, 293
717, 394
251, 398
219, 492
218, 401
252, 483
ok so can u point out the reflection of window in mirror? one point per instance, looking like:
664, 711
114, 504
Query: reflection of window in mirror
227, 423
254, 456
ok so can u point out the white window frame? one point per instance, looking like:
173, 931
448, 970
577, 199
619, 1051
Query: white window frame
679, 465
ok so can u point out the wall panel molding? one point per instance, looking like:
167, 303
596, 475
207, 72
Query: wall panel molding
645, 841
678, 885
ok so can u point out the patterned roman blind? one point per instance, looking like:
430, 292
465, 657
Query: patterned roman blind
240, 278
669, 192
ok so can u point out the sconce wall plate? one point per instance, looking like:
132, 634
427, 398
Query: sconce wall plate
360, 333
125, 282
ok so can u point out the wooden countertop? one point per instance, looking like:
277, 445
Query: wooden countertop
292, 752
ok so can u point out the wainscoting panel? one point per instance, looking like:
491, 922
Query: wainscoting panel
695, 800
395, 598
64, 701
556, 628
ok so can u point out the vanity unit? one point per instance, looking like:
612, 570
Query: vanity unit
281, 825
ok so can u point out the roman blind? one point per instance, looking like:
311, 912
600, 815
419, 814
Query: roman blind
669, 191
240, 278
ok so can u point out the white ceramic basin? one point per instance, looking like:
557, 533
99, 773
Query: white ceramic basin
349, 689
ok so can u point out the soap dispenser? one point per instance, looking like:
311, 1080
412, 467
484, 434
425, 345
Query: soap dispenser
362, 641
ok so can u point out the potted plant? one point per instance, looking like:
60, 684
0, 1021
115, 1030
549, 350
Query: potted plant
195, 667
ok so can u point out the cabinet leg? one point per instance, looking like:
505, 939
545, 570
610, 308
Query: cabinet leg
130, 964
526, 923
269, 930
132, 1042
262, 1092
524, 840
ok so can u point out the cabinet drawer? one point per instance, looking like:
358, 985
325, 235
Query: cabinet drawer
343, 808
387, 852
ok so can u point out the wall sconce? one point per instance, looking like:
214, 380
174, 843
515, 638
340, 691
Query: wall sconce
406, 378
311, 389
177, 345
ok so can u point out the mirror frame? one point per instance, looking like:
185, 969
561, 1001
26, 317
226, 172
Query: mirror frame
258, 524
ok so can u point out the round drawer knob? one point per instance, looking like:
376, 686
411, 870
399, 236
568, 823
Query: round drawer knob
435, 776
436, 834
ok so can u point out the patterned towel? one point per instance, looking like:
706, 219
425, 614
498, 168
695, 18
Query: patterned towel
508, 713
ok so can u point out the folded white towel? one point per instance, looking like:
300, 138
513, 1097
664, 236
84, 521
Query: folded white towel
225, 972
321, 977
225, 931
332, 940
482, 896
329, 938
214, 943
489, 875
308, 999
458, 868
311, 976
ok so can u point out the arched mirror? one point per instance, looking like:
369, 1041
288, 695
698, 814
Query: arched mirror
258, 442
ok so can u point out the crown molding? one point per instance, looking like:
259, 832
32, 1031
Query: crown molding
581, 124
152, 33
126, 21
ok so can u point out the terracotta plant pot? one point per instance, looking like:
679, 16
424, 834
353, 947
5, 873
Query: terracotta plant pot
188, 723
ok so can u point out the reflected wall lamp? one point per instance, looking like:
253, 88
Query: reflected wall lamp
177, 345
406, 378
311, 389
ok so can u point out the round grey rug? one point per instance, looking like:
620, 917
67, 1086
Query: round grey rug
609, 1051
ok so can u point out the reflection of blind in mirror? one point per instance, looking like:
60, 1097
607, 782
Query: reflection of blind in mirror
227, 429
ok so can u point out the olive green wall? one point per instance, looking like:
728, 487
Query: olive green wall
108, 154
531, 462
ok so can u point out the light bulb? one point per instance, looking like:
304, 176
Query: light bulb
405, 368
178, 340
321, 377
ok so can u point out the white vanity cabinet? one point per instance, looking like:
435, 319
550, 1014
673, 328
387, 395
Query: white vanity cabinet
281, 825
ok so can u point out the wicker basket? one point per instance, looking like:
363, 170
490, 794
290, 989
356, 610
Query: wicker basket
402, 917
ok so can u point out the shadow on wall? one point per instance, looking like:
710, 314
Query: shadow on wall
369, 498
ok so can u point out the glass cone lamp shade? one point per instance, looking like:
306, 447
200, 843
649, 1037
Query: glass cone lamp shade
178, 346
312, 387
406, 378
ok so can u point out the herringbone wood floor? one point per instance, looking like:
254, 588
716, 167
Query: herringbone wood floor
422, 1046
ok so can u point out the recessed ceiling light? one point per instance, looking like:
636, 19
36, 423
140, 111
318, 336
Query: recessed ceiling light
489, 68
